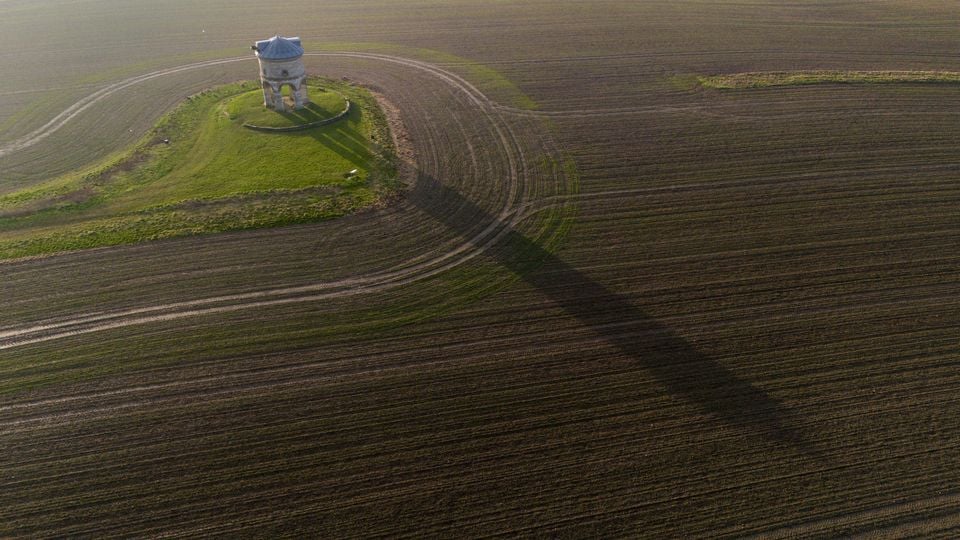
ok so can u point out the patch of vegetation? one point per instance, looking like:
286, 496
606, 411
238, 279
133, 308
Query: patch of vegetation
200, 171
797, 78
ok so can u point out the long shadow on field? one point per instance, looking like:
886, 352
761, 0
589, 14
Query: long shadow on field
676, 364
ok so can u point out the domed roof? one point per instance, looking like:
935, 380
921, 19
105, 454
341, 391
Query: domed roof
278, 48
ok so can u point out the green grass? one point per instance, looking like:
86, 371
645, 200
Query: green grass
248, 109
213, 175
797, 78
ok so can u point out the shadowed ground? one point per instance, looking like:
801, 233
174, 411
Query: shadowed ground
675, 363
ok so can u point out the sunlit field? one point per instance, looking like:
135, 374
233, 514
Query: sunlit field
568, 269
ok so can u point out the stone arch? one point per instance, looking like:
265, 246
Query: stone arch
293, 93
298, 91
273, 92
272, 96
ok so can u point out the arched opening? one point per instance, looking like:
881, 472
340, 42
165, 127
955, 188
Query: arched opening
289, 94
292, 96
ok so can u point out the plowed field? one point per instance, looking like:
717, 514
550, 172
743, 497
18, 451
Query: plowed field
610, 302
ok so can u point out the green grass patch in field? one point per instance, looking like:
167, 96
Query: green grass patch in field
798, 78
200, 171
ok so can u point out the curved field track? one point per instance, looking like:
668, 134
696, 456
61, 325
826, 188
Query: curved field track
516, 186
611, 302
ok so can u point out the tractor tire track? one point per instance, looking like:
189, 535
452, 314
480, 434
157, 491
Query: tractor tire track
84, 323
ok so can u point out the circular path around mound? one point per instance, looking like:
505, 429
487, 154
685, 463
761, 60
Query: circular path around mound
481, 197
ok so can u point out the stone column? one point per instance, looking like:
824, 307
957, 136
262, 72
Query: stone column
301, 94
267, 96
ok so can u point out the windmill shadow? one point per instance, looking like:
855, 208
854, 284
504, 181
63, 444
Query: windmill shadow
668, 358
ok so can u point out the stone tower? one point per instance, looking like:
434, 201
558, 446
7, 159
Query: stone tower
281, 63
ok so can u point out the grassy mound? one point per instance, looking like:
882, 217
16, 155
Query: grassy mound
200, 171
248, 109
797, 78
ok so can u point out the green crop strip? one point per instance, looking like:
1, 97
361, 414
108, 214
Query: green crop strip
799, 78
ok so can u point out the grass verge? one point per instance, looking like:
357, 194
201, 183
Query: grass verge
798, 78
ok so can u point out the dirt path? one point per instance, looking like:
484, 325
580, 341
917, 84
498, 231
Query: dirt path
72, 111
